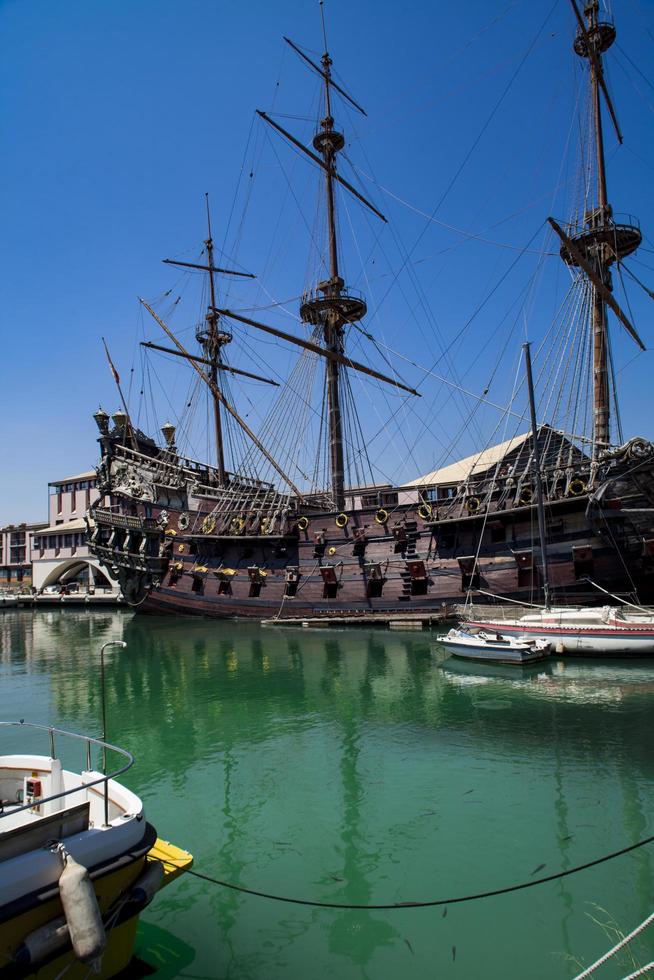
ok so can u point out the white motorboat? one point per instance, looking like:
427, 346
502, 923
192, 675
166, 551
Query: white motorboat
491, 646
78, 861
581, 630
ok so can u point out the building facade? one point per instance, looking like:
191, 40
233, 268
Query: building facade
60, 556
16, 545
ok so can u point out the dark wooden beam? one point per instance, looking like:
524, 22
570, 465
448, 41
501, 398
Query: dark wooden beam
317, 349
205, 360
321, 163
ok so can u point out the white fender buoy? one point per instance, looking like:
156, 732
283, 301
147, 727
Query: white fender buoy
81, 910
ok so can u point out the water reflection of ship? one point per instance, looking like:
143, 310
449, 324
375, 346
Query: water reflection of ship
589, 683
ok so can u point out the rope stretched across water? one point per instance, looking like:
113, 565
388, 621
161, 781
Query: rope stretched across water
431, 903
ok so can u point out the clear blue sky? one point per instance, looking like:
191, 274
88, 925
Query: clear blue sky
117, 117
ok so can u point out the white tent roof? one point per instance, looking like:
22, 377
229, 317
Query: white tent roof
464, 468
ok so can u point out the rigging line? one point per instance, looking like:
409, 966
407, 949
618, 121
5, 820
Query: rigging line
479, 135
394, 373
636, 4
447, 381
228, 223
443, 224
423, 302
635, 86
622, 266
390, 906
480, 307
318, 248
634, 65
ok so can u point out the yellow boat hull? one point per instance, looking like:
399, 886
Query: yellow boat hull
121, 934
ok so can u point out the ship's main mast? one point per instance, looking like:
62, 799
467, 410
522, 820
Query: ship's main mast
331, 306
601, 242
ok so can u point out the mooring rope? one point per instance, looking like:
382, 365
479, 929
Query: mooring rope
616, 949
431, 903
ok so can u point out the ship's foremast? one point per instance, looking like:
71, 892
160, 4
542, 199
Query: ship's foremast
213, 342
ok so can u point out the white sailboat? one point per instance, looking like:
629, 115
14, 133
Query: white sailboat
585, 630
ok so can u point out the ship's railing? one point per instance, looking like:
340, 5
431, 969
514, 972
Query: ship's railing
622, 220
315, 293
172, 463
102, 515
88, 740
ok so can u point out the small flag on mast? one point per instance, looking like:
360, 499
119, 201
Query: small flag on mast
111, 363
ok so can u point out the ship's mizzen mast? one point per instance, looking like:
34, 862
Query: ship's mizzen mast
601, 241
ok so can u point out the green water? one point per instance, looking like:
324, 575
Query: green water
351, 766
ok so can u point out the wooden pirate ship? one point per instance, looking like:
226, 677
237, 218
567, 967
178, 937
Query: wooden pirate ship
188, 537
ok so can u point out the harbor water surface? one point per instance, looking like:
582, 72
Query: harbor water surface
355, 767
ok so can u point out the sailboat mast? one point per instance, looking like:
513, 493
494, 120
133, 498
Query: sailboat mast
213, 344
540, 507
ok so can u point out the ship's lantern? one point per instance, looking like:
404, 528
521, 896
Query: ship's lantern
102, 421
168, 431
119, 419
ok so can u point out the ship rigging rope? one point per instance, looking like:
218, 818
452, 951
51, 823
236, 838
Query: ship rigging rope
430, 903
476, 141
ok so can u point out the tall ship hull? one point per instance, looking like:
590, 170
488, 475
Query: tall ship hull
185, 552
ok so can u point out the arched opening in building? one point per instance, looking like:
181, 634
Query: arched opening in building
76, 576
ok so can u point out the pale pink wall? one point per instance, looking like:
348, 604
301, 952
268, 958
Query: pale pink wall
71, 499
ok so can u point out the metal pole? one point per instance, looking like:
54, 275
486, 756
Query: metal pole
539, 483
109, 643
